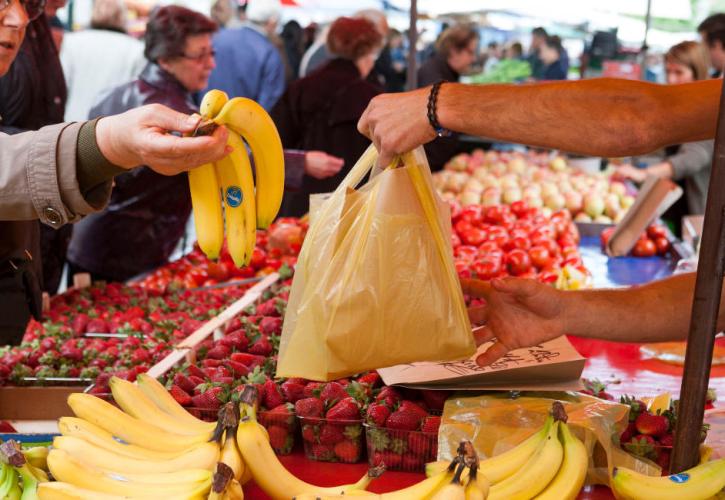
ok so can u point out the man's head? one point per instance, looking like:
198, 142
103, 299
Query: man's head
712, 31
14, 18
179, 40
109, 14
458, 44
265, 13
538, 37
377, 17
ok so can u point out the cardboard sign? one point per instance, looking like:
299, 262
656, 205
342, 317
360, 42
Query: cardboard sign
553, 365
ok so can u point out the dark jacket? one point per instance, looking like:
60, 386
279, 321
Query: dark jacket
320, 112
555, 71
436, 69
32, 95
147, 213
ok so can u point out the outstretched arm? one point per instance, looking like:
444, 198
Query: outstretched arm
600, 117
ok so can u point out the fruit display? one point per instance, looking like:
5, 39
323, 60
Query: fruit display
517, 240
655, 240
492, 178
230, 182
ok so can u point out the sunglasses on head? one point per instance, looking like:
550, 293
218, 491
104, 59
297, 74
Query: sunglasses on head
33, 8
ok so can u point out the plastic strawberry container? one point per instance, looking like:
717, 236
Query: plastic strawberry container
282, 430
205, 414
400, 450
333, 440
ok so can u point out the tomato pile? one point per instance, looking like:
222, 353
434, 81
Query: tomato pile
654, 241
517, 240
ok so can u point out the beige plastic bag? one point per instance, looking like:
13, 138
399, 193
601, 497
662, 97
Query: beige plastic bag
375, 283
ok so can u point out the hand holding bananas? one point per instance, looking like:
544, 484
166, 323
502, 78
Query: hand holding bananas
140, 137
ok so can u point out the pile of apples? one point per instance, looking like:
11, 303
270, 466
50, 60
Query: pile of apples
551, 184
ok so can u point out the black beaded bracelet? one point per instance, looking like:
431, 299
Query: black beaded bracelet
432, 115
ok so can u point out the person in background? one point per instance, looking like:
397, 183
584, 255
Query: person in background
320, 111
514, 51
493, 56
684, 63
57, 28
147, 214
99, 58
551, 56
538, 38
222, 12
712, 32
293, 39
455, 52
248, 64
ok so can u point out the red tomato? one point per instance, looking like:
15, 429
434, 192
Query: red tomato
462, 226
543, 232
655, 231
463, 269
519, 242
486, 269
455, 240
518, 262
471, 213
198, 276
550, 245
663, 245
549, 276
259, 258
494, 214
604, 237
466, 252
498, 235
473, 236
540, 256
644, 248
566, 240
519, 208
488, 247
217, 271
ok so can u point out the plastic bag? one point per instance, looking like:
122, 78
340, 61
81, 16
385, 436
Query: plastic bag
375, 284
496, 422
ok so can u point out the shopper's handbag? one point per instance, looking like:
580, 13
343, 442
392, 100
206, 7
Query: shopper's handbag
375, 283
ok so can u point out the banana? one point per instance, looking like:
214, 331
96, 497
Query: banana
454, 490
700, 482
91, 433
230, 455
212, 102
128, 428
266, 469
37, 456
474, 490
535, 474
203, 456
251, 121
9, 487
68, 469
499, 467
39, 474
161, 397
569, 480
137, 404
67, 491
30, 483
234, 491
237, 183
207, 205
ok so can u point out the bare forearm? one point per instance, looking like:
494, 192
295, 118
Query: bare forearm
656, 312
602, 117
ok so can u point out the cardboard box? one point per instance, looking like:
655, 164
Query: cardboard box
692, 229
35, 403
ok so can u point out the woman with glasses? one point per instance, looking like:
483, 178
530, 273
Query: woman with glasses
147, 214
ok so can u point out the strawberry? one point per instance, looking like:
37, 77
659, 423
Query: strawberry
292, 391
389, 396
180, 395
250, 360
435, 400
262, 347
667, 440
377, 414
410, 407
312, 388
236, 340
322, 452
271, 396
80, 323
196, 372
271, 324
331, 434
211, 399
97, 325
652, 425
663, 460
391, 460
628, 433
309, 407
642, 446
346, 409
195, 380
431, 424
403, 420
372, 379
347, 451
268, 308
635, 406
279, 438
211, 363
331, 393
420, 444
310, 433
412, 463
183, 382
219, 351
710, 399
237, 369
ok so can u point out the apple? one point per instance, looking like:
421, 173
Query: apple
476, 186
511, 195
534, 201
558, 164
470, 198
593, 204
602, 219
517, 165
573, 201
555, 201
627, 201
582, 217
458, 163
491, 196
548, 188
611, 205
618, 188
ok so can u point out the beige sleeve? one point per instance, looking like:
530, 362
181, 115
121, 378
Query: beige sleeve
38, 177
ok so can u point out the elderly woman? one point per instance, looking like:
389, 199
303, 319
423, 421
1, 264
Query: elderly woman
147, 214
320, 111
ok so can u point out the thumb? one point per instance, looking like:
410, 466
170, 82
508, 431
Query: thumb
520, 288
168, 119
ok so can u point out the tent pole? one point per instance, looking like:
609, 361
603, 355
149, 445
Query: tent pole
412, 78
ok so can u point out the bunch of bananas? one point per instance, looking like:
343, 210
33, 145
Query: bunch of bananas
230, 182
704, 481
551, 464
21, 471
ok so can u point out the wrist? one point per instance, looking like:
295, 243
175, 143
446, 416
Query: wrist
107, 142
445, 106
571, 302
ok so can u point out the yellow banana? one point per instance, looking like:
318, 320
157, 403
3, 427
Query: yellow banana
68, 469
269, 473
137, 404
37, 456
67, 491
699, 483
477, 486
454, 490
234, 491
204, 456
212, 102
161, 397
535, 474
251, 121
39, 474
9, 486
207, 205
77, 427
499, 467
569, 480
237, 183
128, 428
230, 455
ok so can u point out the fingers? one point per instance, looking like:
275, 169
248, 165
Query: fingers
496, 351
478, 315
518, 287
483, 334
363, 124
476, 288
181, 154
168, 119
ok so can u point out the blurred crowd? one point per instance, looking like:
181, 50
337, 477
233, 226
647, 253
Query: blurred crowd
315, 81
